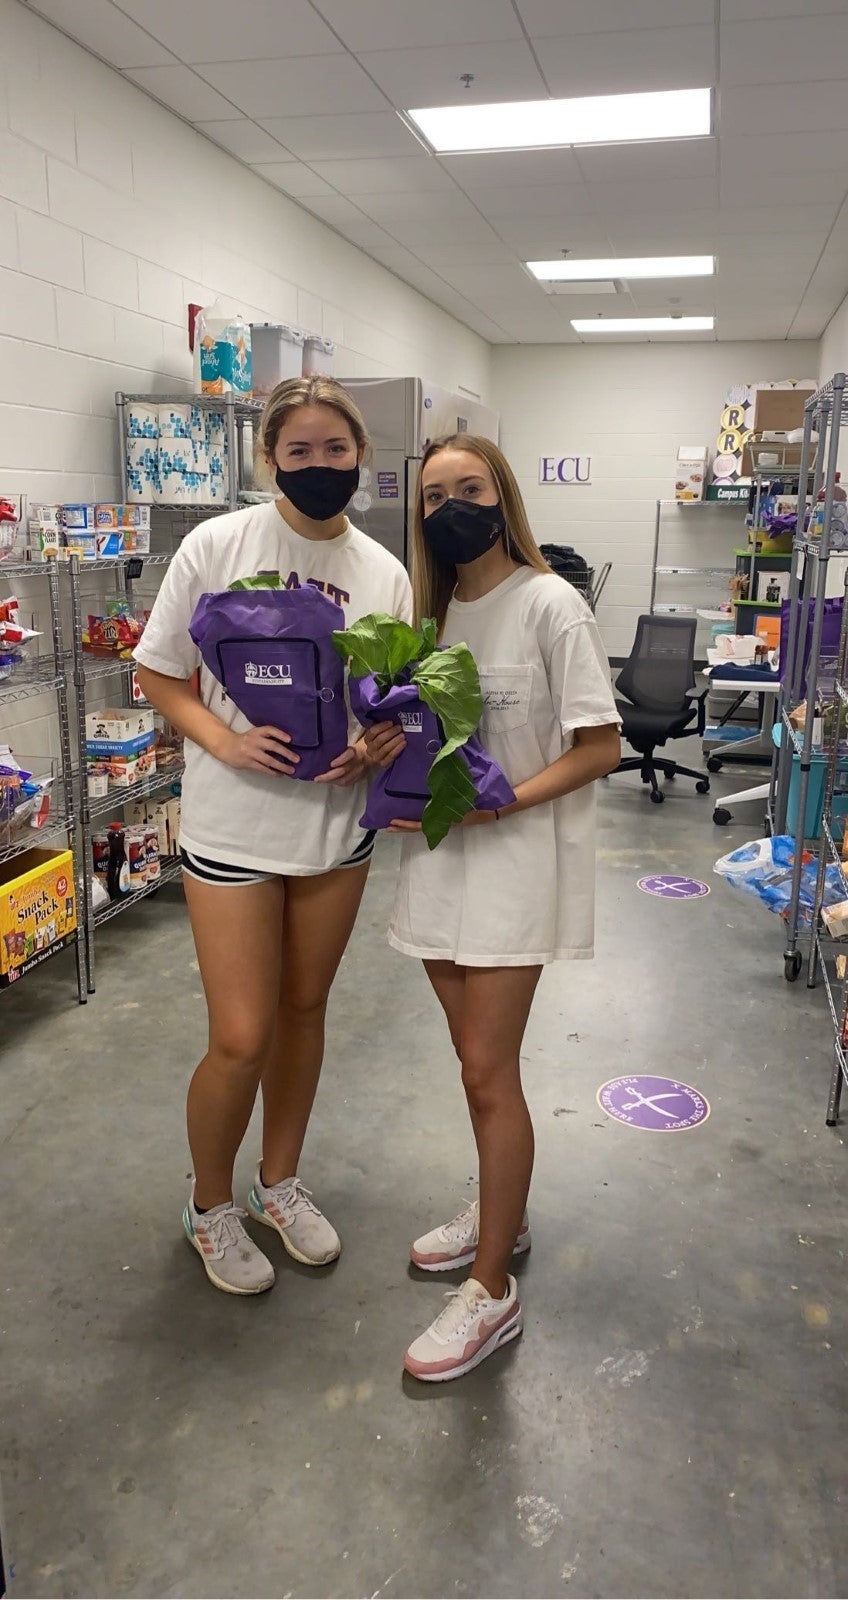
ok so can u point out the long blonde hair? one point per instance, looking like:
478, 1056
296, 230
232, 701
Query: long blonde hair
289, 396
433, 581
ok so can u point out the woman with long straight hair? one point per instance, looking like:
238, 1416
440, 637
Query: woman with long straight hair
274, 870
510, 890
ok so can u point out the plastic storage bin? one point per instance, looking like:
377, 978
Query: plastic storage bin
815, 796
318, 356
277, 354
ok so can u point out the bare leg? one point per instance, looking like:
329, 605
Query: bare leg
318, 920
491, 1015
237, 938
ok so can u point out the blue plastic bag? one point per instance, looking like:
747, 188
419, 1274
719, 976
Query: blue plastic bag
764, 867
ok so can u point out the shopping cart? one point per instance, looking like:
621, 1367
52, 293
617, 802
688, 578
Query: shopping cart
566, 563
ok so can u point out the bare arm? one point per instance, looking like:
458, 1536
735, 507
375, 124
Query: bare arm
258, 750
595, 752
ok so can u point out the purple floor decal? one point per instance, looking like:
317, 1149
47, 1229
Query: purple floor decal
669, 886
659, 1105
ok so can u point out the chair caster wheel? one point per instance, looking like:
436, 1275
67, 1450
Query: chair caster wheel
714, 764
703, 786
670, 777
721, 816
792, 966
657, 797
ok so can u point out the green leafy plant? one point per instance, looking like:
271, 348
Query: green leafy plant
447, 681
263, 580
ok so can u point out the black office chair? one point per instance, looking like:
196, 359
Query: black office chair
661, 700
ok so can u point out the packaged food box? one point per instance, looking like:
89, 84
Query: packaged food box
108, 516
136, 541
77, 516
136, 516
110, 543
38, 910
81, 542
690, 472
121, 772
48, 518
121, 732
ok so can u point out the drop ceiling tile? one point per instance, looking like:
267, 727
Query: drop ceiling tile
485, 170
752, 326
343, 214
787, 107
814, 220
792, 49
484, 249
612, 200
639, 163
423, 208
759, 10
419, 235
769, 188
184, 92
557, 202
431, 77
785, 153
809, 323
546, 19
692, 297
293, 178
491, 281
406, 175
196, 30
540, 239
244, 139
406, 24
297, 85
103, 29
630, 62
356, 137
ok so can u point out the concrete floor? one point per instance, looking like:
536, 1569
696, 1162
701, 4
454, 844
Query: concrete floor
672, 1422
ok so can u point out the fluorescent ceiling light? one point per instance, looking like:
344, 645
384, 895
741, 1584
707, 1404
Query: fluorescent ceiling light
643, 324
632, 267
541, 124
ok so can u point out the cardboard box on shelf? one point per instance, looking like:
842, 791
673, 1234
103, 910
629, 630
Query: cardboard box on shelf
38, 910
118, 725
690, 472
77, 516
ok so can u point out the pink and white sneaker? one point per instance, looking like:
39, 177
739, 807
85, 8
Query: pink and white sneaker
455, 1243
471, 1327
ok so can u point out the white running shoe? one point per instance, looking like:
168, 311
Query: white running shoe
287, 1208
470, 1328
232, 1261
455, 1243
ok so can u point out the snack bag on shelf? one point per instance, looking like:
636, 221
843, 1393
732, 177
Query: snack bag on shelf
400, 675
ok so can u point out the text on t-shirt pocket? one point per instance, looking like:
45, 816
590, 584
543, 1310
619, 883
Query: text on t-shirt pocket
506, 697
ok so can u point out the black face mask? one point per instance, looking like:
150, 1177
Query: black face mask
461, 530
319, 492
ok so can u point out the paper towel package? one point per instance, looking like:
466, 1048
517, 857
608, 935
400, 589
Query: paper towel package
142, 421
175, 421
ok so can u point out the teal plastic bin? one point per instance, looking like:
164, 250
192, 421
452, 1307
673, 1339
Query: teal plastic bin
815, 798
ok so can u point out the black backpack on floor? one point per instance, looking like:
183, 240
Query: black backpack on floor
566, 563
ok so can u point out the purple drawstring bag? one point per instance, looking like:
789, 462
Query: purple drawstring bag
400, 792
272, 652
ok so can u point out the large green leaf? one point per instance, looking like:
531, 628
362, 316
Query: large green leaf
452, 794
380, 644
430, 635
449, 683
263, 580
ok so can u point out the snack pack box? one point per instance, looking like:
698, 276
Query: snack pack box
38, 910
118, 727
77, 516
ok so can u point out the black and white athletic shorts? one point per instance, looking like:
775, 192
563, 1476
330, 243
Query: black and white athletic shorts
224, 873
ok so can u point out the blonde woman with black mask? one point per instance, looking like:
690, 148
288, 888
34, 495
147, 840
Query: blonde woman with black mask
508, 891
274, 870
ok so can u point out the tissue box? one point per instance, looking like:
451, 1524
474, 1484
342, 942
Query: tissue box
690, 472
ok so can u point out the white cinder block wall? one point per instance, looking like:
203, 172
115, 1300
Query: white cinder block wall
114, 214
629, 407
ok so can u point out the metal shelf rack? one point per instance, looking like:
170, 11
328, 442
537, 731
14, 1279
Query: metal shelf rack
45, 675
170, 871
709, 574
824, 414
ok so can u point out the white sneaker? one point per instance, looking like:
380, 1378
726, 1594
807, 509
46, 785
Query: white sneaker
232, 1261
455, 1243
471, 1327
287, 1207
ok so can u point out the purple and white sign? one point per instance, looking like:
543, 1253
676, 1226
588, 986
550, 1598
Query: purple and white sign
658, 1105
668, 886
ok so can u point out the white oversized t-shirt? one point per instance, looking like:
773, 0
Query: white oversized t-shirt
520, 891
274, 823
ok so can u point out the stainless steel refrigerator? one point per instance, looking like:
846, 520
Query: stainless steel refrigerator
403, 415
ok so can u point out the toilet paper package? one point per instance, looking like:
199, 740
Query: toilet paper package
217, 428
199, 425
142, 421
142, 470
175, 421
176, 472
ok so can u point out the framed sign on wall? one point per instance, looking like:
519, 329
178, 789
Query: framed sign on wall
565, 469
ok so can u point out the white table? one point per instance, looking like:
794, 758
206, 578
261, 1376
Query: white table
731, 685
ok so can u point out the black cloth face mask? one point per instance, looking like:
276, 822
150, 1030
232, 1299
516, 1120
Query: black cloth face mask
319, 493
460, 531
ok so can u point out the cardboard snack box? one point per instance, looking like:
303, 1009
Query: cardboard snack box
38, 910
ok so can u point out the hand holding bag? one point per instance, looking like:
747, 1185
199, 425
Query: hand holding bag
271, 650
